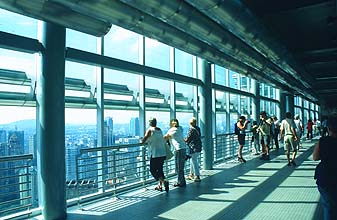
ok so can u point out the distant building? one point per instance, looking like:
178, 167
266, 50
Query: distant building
134, 129
108, 132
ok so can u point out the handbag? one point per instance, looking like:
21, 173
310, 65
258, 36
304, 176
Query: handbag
169, 153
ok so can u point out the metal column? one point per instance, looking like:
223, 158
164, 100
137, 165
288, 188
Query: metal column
204, 73
50, 102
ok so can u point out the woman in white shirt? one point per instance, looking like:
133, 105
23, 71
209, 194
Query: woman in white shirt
154, 138
175, 136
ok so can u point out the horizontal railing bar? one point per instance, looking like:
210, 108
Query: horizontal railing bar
16, 158
113, 147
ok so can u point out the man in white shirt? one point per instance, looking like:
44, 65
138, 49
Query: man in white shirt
290, 138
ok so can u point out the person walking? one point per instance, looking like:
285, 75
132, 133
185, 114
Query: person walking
264, 129
155, 139
242, 126
289, 143
193, 141
325, 172
175, 136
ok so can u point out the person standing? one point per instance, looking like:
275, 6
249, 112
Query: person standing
175, 136
255, 138
242, 126
310, 125
193, 140
155, 139
276, 131
264, 129
290, 138
326, 171
299, 130
325, 127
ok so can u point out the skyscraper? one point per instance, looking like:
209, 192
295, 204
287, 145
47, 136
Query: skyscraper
134, 127
108, 132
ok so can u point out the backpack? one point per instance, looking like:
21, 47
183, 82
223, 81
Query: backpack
236, 129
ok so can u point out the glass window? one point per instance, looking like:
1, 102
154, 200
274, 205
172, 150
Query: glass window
163, 119
220, 113
245, 83
81, 41
157, 54
18, 137
121, 127
233, 79
157, 92
220, 75
183, 63
184, 97
19, 61
18, 24
245, 106
184, 118
122, 44
233, 103
119, 88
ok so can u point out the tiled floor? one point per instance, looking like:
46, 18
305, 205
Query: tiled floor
255, 190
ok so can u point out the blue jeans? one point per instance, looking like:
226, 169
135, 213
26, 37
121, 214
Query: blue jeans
180, 156
329, 202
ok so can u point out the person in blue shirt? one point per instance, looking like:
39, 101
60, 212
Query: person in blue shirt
326, 171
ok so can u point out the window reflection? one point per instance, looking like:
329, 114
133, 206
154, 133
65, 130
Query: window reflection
19, 24
122, 44
183, 63
220, 75
81, 41
157, 54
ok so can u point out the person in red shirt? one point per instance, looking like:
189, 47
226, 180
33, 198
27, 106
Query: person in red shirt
309, 127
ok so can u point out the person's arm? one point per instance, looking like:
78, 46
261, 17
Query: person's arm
315, 155
294, 133
189, 134
167, 135
146, 136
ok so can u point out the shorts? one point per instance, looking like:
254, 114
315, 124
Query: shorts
265, 139
289, 143
242, 139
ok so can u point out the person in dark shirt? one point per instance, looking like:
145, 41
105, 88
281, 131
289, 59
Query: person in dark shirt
193, 141
326, 171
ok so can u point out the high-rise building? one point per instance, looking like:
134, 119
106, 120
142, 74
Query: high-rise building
108, 132
134, 127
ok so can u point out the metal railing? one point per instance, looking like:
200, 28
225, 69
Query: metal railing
109, 170
101, 171
15, 184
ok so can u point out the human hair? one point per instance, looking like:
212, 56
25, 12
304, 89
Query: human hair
288, 114
174, 122
263, 113
153, 122
193, 121
242, 117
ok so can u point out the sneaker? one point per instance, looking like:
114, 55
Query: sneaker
289, 164
166, 185
197, 179
293, 163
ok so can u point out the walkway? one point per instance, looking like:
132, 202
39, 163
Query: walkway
256, 190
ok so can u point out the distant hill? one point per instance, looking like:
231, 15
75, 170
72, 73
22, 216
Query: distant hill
21, 125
